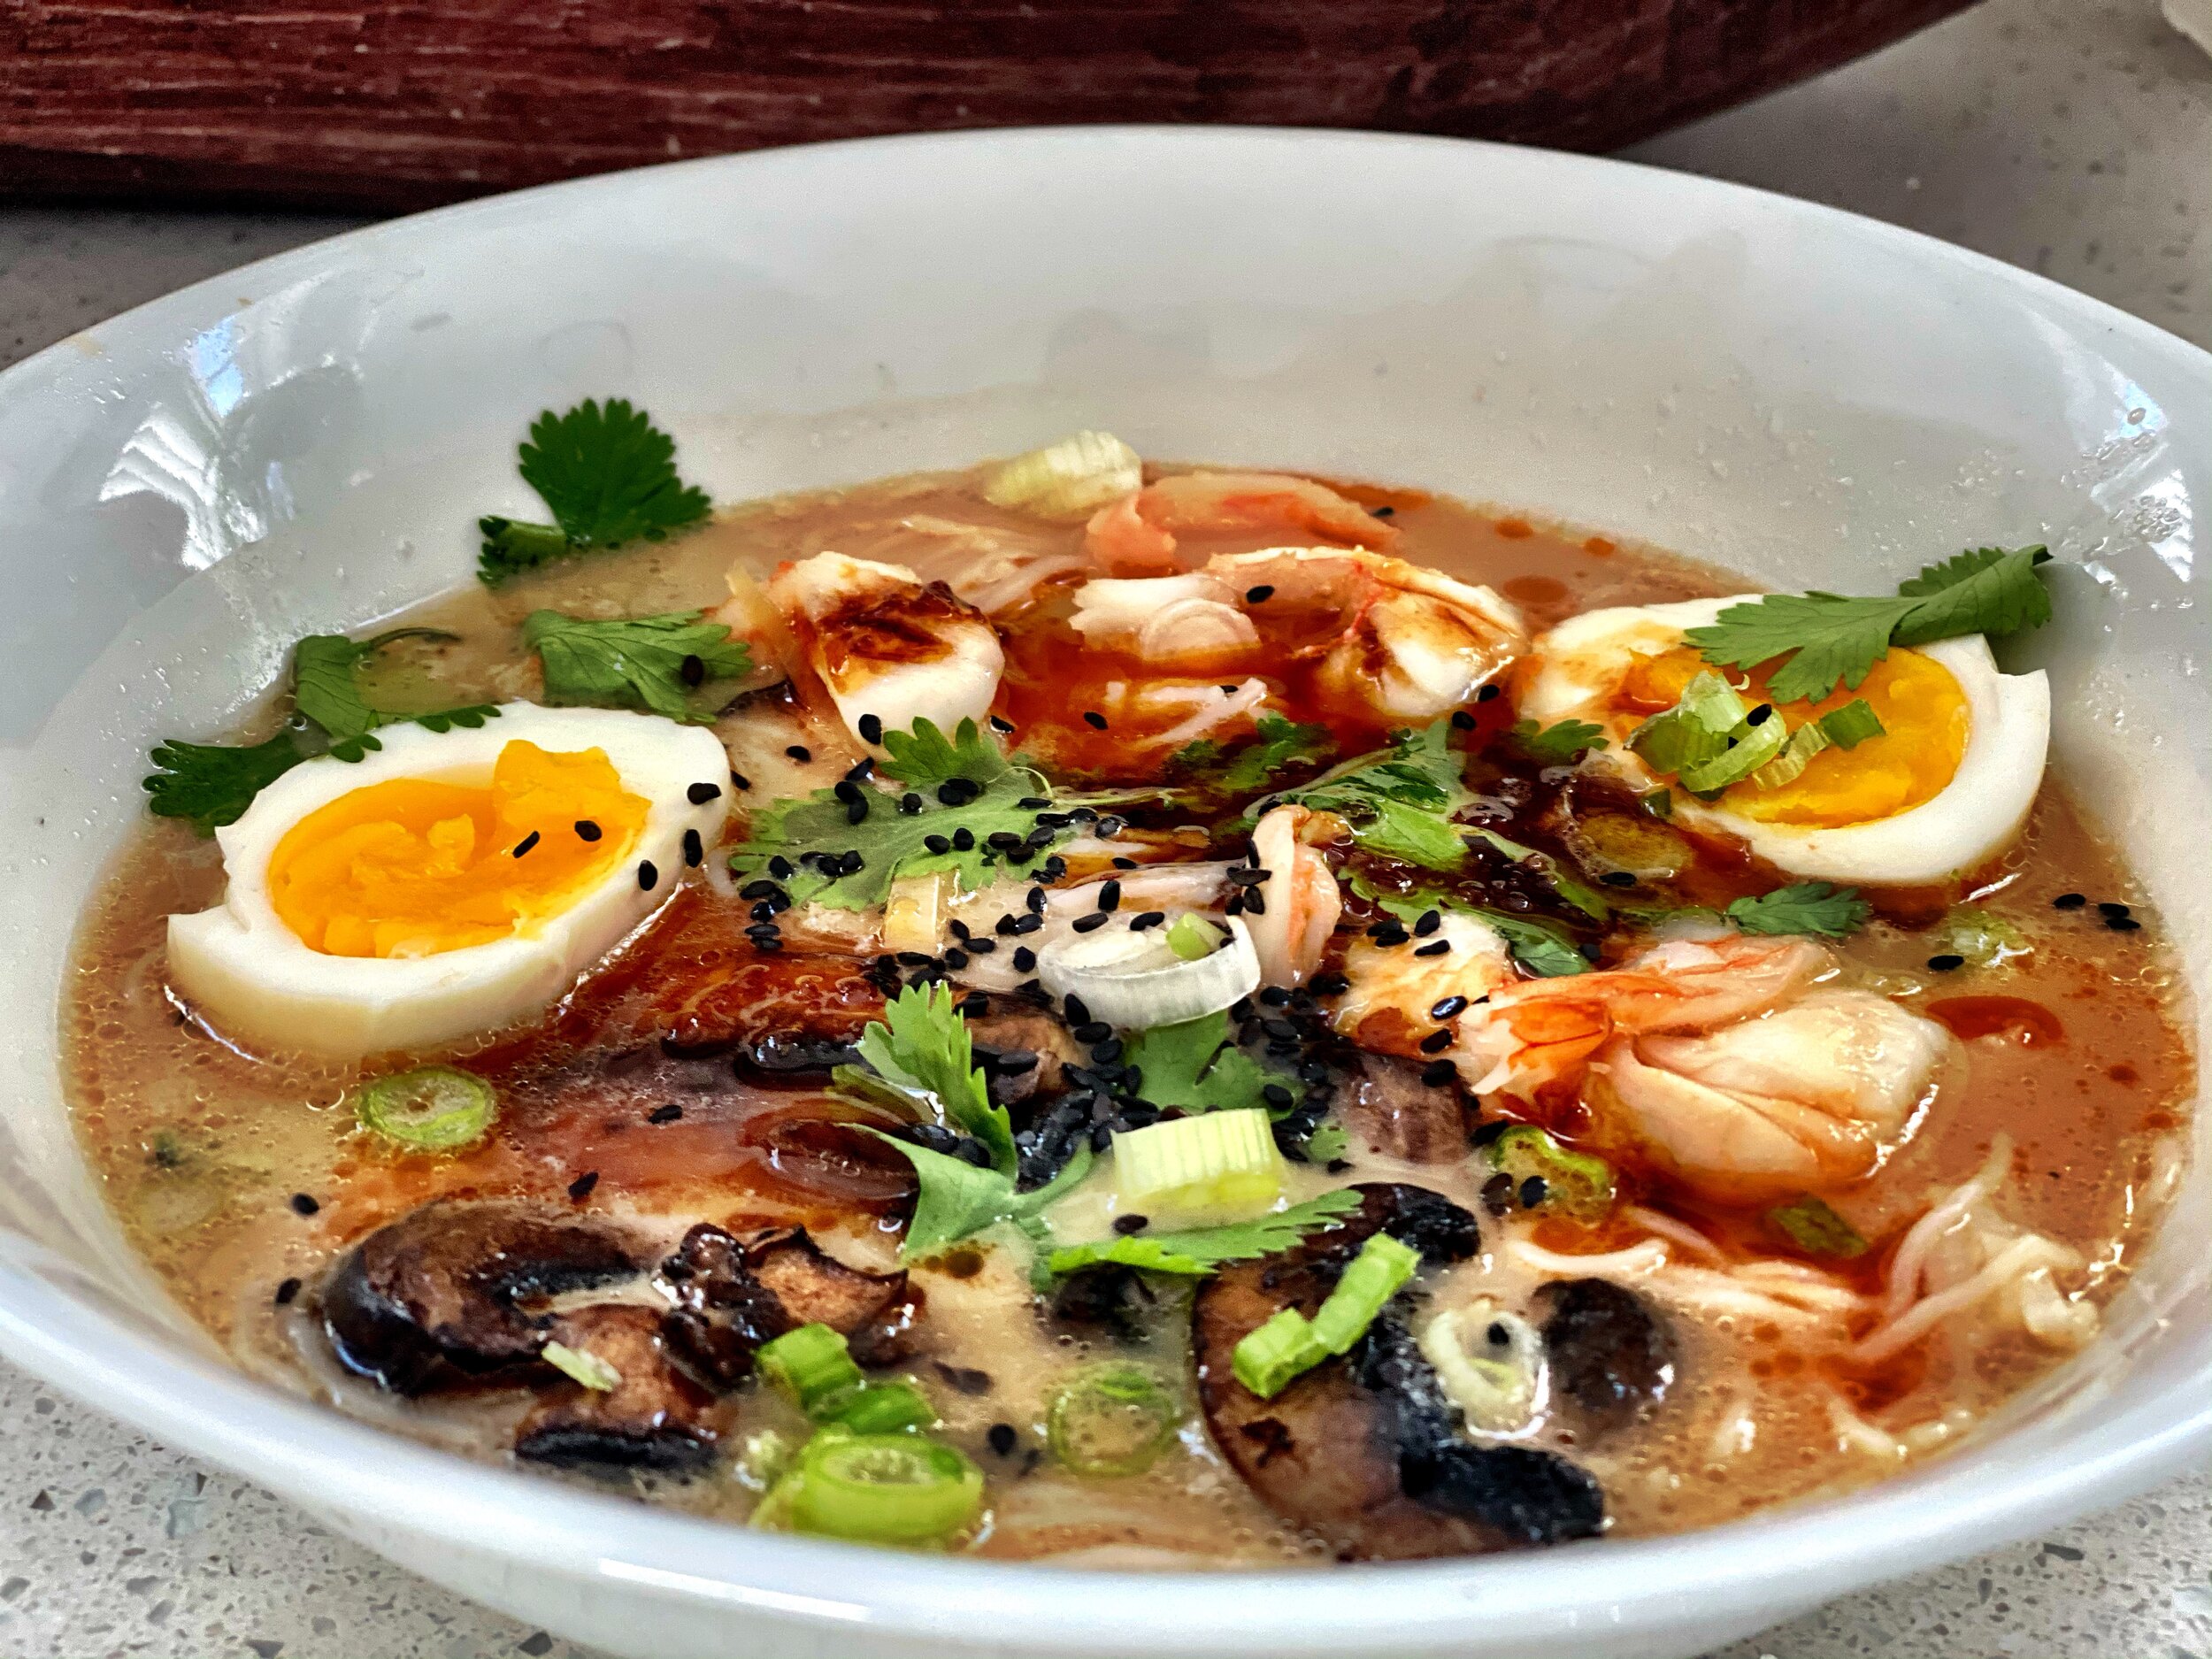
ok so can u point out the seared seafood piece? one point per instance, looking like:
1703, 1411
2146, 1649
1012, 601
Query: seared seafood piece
1394, 994
1136, 536
1164, 619
1298, 901
888, 649
1408, 642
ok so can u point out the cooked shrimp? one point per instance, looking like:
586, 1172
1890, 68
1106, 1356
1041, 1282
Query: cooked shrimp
1806, 1098
995, 570
1394, 995
884, 644
1163, 618
1136, 536
1546, 1031
1299, 902
1407, 642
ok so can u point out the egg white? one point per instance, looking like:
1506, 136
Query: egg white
262, 984
1969, 820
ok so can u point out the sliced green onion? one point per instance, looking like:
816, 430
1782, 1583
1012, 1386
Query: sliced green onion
580, 1365
1267, 1359
882, 1488
1852, 724
1577, 1185
1217, 1167
1710, 701
1695, 730
892, 1408
1139, 981
812, 1365
1815, 1228
1067, 480
1751, 747
431, 1109
1490, 1362
1378, 1272
1111, 1420
1805, 742
1192, 936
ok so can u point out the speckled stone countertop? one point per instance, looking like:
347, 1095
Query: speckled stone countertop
2073, 137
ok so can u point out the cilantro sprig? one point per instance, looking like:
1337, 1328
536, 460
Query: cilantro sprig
1819, 908
920, 1056
1202, 1249
1278, 744
1824, 638
1540, 948
1559, 745
655, 663
608, 476
1400, 799
210, 785
1191, 1064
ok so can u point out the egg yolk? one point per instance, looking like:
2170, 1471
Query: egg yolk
415, 867
1925, 725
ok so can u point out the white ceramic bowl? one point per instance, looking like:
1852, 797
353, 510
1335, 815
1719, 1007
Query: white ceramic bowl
1808, 397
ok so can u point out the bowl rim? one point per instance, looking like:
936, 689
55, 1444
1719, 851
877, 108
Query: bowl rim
1772, 1564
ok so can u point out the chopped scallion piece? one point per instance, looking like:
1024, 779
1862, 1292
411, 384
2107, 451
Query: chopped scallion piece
1378, 1272
1067, 480
1111, 1420
581, 1367
1852, 724
1192, 936
431, 1109
1267, 1359
1218, 1167
891, 1407
879, 1488
1750, 747
810, 1364
1805, 742
1577, 1185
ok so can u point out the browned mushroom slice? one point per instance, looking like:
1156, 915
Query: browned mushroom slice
1023, 1052
653, 1418
1386, 1106
437, 1299
1362, 1451
1612, 1359
732, 1295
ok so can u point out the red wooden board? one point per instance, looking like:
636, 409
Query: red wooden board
396, 104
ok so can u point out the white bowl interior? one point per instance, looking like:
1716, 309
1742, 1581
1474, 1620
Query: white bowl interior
1809, 398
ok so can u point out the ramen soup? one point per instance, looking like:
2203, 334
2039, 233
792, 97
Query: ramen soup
1129, 1014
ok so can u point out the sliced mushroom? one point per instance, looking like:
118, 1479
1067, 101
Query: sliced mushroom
1362, 1451
1612, 1359
1023, 1052
1386, 1106
653, 1418
438, 1299
732, 1295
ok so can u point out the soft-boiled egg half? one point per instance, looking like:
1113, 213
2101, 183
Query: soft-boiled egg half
1946, 786
450, 882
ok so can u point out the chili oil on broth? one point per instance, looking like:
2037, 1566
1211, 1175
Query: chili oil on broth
233, 1172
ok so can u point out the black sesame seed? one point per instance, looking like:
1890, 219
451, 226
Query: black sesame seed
526, 843
2122, 924
1125, 864
1148, 918
1758, 716
2070, 900
1036, 899
303, 1204
964, 839
1091, 1031
286, 1291
586, 830
648, 877
1462, 720
1086, 924
1128, 1225
799, 751
1487, 694
1428, 922
1275, 1094
1274, 996
1436, 1042
693, 668
2109, 908
780, 867
1234, 905
1110, 895
694, 849
1005, 840
1618, 879
1436, 1073
936, 843
1330, 985
1247, 875
1255, 901
913, 959
1381, 512
1945, 962
1497, 1334
1497, 1194
1025, 959
1092, 718
1106, 1052
760, 888
739, 781
1028, 924
1533, 1191
909, 804
1260, 594
1391, 935
667, 1113
1001, 725
956, 959
870, 728
580, 1188
1002, 1437
851, 863
1437, 947
1448, 1007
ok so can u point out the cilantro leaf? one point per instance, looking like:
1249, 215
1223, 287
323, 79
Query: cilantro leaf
1191, 1064
1808, 907
1327, 1143
957, 1200
1828, 638
324, 690
1279, 743
921, 1051
635, 662
210, 785
926, 758
1203, 1250
1560, 745
607, 475
1400, 799
1540, 947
